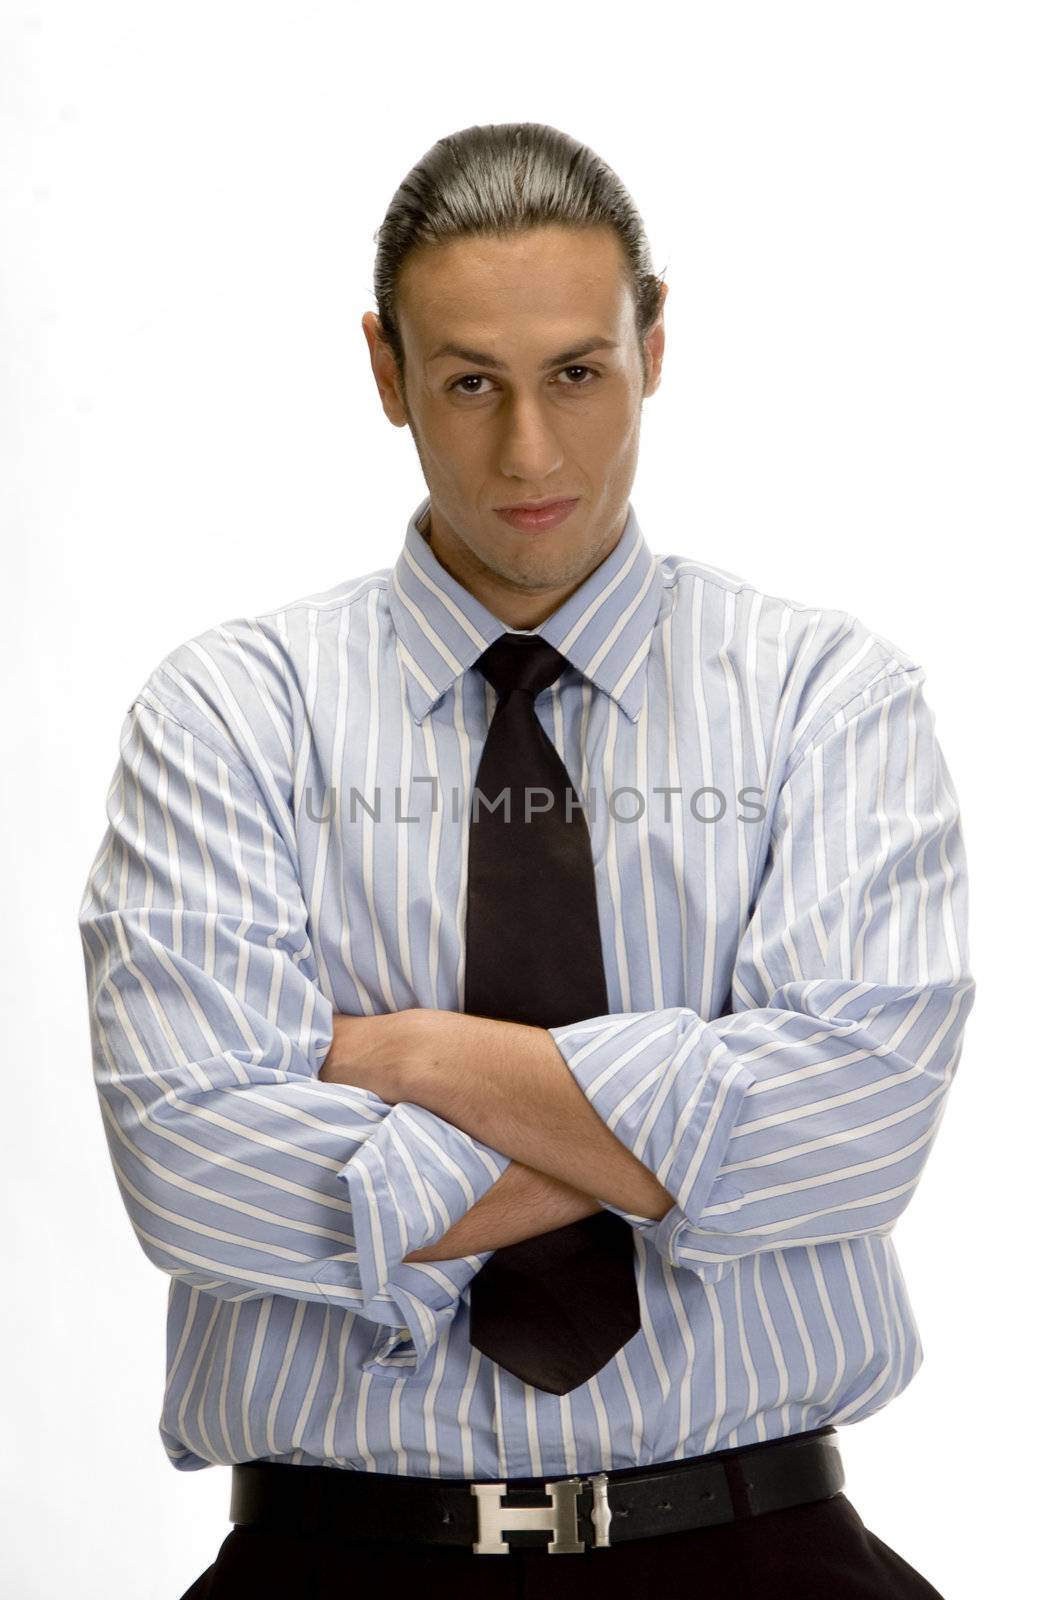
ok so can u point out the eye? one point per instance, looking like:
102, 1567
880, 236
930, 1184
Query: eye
468, 377
478, 377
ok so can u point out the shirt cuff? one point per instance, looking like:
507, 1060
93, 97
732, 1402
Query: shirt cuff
408, 1183
652, 1079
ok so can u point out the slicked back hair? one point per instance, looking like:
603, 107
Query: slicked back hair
498, 179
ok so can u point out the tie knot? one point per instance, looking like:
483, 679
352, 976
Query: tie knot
521, 661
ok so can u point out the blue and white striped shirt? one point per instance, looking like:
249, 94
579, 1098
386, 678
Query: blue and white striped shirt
783, 903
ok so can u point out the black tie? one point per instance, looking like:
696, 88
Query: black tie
555, 1308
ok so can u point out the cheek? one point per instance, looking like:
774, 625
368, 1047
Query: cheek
609, 416
449, 441
455, 436
601, 434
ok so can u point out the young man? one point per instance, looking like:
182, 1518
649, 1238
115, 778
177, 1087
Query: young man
597, 1265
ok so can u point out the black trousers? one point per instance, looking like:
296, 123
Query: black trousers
818, 1551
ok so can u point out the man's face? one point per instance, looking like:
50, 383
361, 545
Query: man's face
530, 427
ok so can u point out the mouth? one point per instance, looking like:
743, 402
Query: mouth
534, 515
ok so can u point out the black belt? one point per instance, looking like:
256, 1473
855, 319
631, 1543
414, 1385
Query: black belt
581, 1513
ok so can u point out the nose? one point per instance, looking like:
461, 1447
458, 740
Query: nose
529, 450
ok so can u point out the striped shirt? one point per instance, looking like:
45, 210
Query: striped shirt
783, 904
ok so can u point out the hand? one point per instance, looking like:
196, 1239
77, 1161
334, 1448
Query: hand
370, 1052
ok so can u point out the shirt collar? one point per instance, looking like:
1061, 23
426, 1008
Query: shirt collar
605, 627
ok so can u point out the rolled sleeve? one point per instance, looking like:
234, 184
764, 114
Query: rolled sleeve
408, 1184
646, 1074
244, 1174
806, 1113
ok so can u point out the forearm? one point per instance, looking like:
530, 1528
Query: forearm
507, 1085
522, 1204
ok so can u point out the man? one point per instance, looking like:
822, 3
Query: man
445, 1284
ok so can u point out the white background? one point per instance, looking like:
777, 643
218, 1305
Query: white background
858, 209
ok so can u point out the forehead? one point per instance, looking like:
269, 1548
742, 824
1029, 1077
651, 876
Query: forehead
557, 275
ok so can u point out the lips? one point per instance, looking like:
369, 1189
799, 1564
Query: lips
537, 505
548, 514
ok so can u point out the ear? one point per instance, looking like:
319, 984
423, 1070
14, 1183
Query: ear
385, 370
654, 344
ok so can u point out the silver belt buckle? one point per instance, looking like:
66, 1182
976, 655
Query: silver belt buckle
560, 1516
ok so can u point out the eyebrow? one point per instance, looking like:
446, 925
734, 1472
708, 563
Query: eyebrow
479, 359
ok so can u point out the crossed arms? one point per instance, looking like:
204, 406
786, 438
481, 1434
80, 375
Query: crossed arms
509, 1086
265, 1144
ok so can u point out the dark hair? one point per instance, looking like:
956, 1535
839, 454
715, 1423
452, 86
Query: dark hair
498, 179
